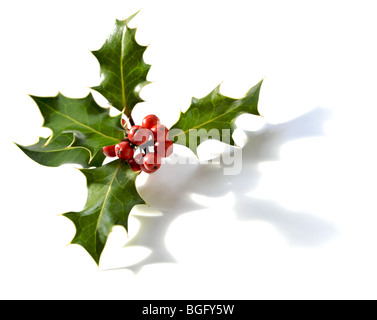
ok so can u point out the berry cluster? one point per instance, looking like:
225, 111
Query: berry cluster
143, 146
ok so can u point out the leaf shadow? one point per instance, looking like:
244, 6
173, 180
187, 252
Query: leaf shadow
170, 192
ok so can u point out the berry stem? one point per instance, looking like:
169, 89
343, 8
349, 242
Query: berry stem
132, 122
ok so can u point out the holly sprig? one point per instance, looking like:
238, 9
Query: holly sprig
84, 133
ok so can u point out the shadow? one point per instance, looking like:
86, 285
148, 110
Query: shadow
169, 191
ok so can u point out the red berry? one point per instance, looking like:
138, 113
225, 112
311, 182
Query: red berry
150, 121
133, 165
164, 148
138, 135
160, 132
152, 162
109, 151
132, 131
124, 151
143, 168
139, 158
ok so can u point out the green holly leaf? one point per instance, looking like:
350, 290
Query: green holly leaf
123, 70
56, 151
111, 196
91, 125
209, 116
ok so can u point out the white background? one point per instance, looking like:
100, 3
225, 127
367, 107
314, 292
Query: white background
299, 222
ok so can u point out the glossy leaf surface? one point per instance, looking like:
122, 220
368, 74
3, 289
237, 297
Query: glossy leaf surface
92, 125
111, 196
58, 151
122, 68
209, 116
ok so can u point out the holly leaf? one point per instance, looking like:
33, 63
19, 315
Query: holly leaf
111, 196
91, 125
123, 70
212, 117
56, 151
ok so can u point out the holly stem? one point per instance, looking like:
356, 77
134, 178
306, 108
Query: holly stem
132, 122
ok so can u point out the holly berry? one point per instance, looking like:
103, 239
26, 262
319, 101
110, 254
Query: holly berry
152, 162
109, 151
133, 165
144, 169
124, 151
160, 132
139, 158
138, 135
151, 133
164, 148
150, 121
